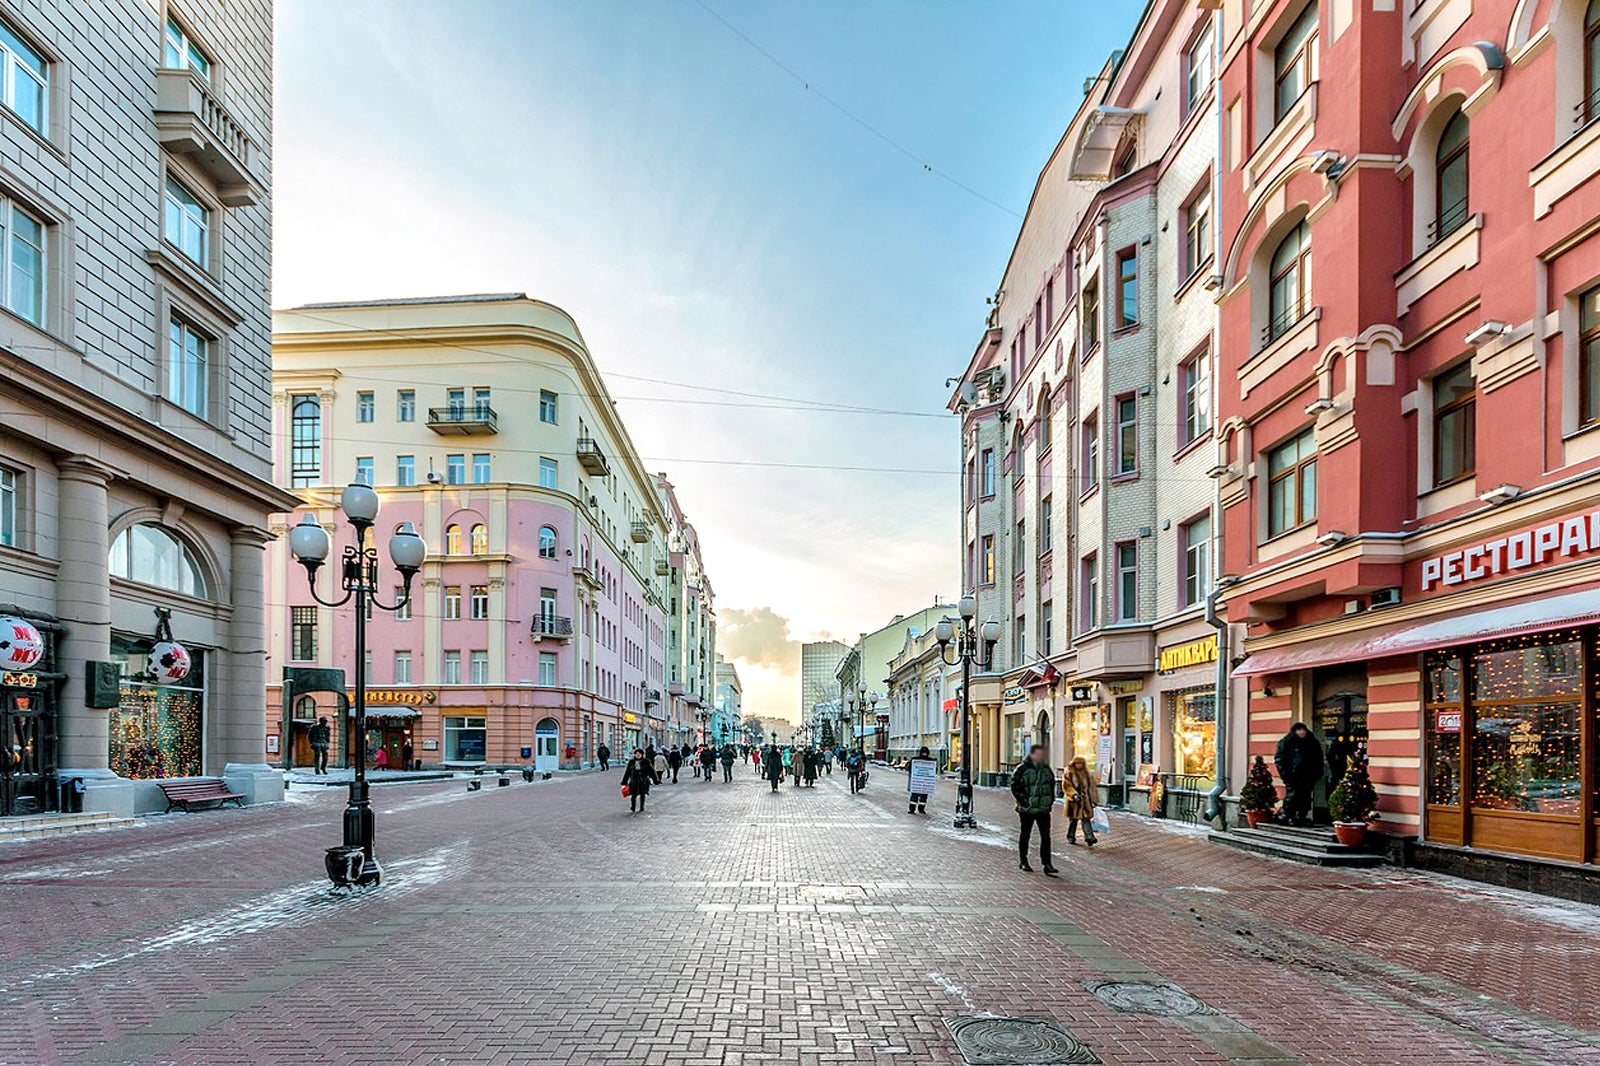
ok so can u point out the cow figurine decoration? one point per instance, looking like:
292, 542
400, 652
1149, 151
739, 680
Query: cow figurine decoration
168, 662
21, 646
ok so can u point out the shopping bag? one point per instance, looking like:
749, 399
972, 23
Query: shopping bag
1100, 823
626, 791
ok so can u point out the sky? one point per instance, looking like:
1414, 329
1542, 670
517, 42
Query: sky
759, 213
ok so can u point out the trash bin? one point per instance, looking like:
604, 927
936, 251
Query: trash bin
72, 796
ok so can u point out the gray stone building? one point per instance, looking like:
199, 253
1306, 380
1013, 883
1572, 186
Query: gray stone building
135, 398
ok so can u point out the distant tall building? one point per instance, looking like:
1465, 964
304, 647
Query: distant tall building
819, 663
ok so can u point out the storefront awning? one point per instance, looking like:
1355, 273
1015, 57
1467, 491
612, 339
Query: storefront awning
1469, 627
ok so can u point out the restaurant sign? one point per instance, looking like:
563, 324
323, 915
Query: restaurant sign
405, 697
1180, 656
1565, 538
1014, 694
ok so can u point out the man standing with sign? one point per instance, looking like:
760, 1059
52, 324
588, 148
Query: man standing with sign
921, 780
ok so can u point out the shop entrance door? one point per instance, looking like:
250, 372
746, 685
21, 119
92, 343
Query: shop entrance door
545, 738
27, 753
1339, 714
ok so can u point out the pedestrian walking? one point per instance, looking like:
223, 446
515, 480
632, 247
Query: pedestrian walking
380, 758
1300, 765
708, 759
772, 765
637, 777
810, 764
660, 766
1033, 785
855, 765
603, 753
674, 763
694, 759
1078, 795
319, 735
919, 800
406, 752
728, 755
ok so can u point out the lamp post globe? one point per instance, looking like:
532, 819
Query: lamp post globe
944, 631
969, 607
407, 549
309, 543
359, 503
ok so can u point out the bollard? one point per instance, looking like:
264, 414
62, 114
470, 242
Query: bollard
474, 785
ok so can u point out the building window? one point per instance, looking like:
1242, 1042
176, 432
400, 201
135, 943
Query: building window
1196, 232
303, 634
480, 603
1090, 584
1292, 484
480, 468
366, 667
150, 555
986, 473
479, 539
181, 52
305, 442
1019, 639
1454, 425
1091, 452
481, 407
405, 405
455, 401
1195, 378
455, 469
402, 668
366, 406
25, 79
452, 668
188, 366
452, 539
986, 560
24, 263
364, 475
547, 543
8, 508
186, 223
478, 665
1590, 110
1047, 536
1046, 430
1589, 355
405, 470
1194, 732
403, 601
549, 473
1290, 282
548, 409
1019, 548
465, 738
1197, 68
1196, 561
1128, 581
1127, 435
1089, 316
1291, 63
1450, 178
547, 669
1127, 289
452, 602
1046, 628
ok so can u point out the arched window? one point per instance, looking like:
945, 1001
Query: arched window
1591, 63
547, 543
305, 708
480, 539
1018, 446
1045, 431
305, 442
1290, 287
150, 555
1450, 178
452, 539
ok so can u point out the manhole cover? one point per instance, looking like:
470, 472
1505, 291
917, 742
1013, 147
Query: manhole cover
1147, 997
1017, 1042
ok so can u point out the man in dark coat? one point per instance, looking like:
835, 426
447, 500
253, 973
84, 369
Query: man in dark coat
674, 760
708, 759
728, 755
772, 765
1033, 786
603, 753
318, 736
1300, 765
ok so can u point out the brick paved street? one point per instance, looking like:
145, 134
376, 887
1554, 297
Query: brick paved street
543, 924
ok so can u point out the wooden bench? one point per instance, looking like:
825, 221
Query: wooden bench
207, 790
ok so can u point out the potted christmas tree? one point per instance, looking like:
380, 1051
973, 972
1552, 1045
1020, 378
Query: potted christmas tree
1353, 802
1259, 797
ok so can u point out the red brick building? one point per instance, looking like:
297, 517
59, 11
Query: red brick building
1409, 433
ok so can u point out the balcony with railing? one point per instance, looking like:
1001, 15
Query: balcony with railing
641, 533
1450, 217
1282, 323
191, 121
552, 627
465, 420
591, 458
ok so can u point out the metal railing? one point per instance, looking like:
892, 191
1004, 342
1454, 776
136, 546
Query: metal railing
469, 414
1184, 796
551, 625
1282, 322
1450, 217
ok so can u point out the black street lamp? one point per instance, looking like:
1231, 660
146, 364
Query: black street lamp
309, 544
974, 644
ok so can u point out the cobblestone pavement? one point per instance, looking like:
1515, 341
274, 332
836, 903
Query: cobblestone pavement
542, 923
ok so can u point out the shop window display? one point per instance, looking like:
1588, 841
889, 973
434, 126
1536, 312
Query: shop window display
1444, 716
1194, 732
1527, 703
156, 730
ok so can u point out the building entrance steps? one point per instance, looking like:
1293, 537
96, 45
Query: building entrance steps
1314, 845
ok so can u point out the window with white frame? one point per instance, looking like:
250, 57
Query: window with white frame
364, 471
1197, 67
1089, 316
549, 407
480, 468
1196, 561
480, 602
549, 473
1090, 586
465, 736
1127, 589
455, 469
189, 366
986, 473
1091, 452
452, 668
547, 542
186, 223
1047, 538
547, 669
405, 470
1197, 231
1047, 628
180, 52
1127, 435
478, 540
402, 668
1195, 379
366, 406
9, 480
405, 405
478, 667
403, 601
26, 79
452, 602
23, 237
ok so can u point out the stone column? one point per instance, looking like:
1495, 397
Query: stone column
240, 709
83, 603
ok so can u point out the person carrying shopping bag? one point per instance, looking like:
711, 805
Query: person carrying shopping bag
1078, 796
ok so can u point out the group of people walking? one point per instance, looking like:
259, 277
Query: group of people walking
651, 766
1033, 786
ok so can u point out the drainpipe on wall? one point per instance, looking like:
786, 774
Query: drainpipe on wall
1215, 808
1214, 805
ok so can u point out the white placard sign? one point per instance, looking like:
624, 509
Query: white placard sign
923, 778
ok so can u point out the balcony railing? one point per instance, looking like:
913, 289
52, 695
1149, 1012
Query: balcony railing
1451, 217
552, 625
591, 458
663, 568
641, 533
1282, 322
652, 697
463, 420
1586, 110
191, 121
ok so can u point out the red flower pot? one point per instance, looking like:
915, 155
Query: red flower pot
1350, 834
1255, 818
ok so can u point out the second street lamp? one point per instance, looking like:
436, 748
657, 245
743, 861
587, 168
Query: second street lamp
974, 645
358, 577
